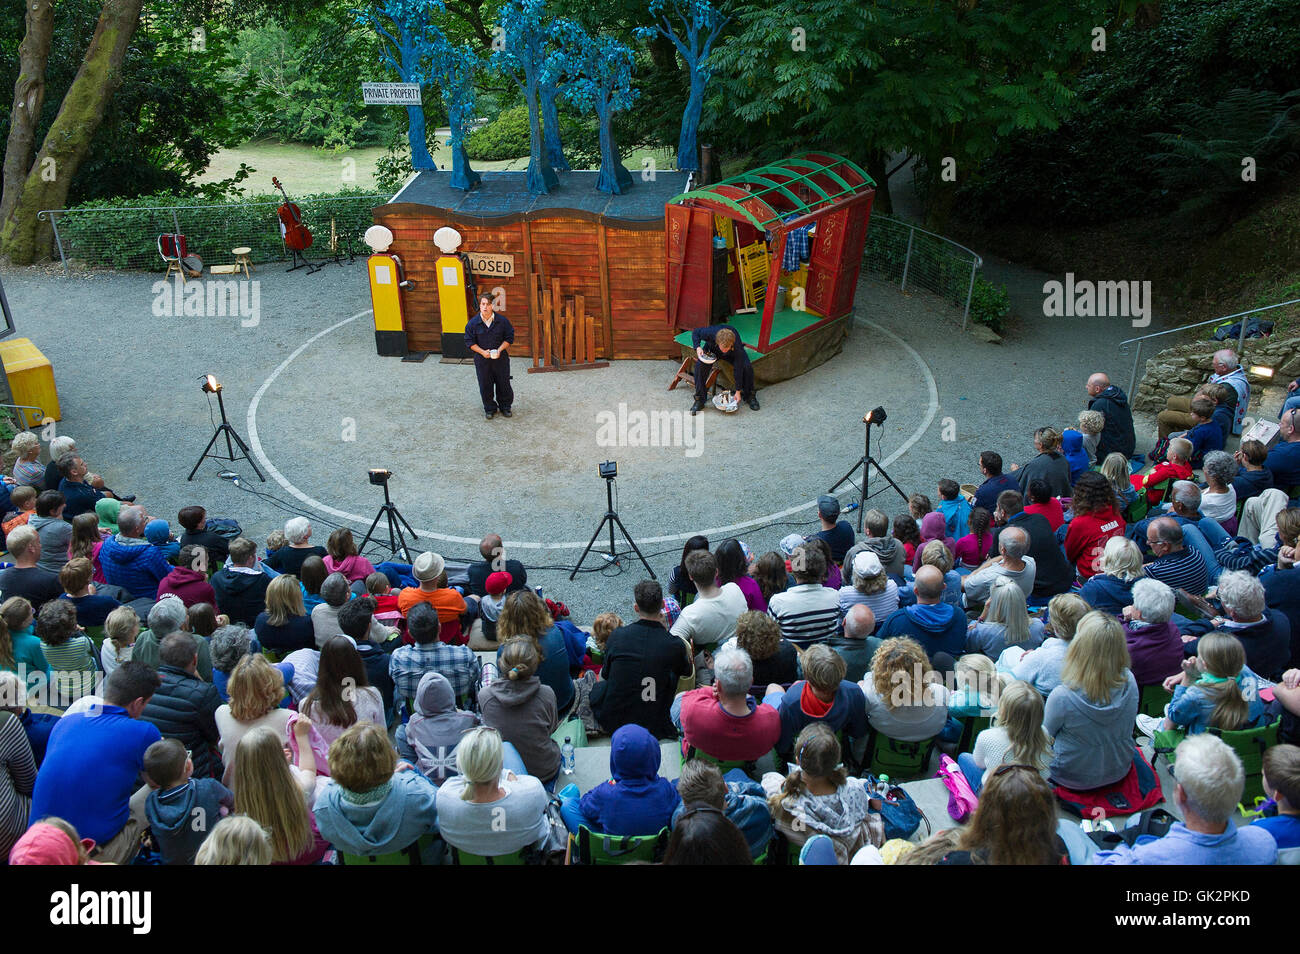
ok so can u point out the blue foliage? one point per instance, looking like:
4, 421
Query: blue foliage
404, 28
601, 71
521, 54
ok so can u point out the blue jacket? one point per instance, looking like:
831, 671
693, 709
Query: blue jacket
1108, 593
938, 627
986, 495
401, 816
636, 801
955, 514
133, 564
1248, 845
181, 817
847, 712
746, 807
1267, 642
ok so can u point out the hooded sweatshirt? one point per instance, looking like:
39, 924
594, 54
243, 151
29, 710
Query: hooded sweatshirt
382, 820
1108, 593
934, 527
133, 564
107, 509
524, 712
1117, 435
174, 815
353, 567
1075, 455
636, 801
1093, 743
241, 593
938, 627
891, 553
190, 585
436, 727
56, 535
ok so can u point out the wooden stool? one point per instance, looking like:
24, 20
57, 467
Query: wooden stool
242, 260
686, 375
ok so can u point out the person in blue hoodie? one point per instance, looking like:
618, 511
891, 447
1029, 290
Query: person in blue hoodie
181, 810
636, 801
374, 805
1210, 780
1075, 455
938, 626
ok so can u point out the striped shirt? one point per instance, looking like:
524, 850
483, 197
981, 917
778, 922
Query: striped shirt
73, 670
807, 613
459, 664
1182, 568
19, 769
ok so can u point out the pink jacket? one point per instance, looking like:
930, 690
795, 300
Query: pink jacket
354, 567
190, 585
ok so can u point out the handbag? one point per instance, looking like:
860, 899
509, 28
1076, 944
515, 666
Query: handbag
962, 800
901, 814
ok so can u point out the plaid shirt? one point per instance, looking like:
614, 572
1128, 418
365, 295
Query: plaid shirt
797, 247
458, 663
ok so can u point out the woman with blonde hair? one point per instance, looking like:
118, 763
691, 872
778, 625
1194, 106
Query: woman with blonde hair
373, 804
1112, 589
342, 557
120, 630
905, 698
236, 840
524, 613
284, 625
1041, 667
522, 709
1115, 468
820, 798
1004, 622
1016, 736
276, 794
1090, 714
1215, 690
256, 688
487, 810
1049, 465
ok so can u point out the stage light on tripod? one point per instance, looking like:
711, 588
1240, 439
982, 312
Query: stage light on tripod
210, 384
876, 416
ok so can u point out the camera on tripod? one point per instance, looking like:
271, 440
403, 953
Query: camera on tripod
379, 476
608, 470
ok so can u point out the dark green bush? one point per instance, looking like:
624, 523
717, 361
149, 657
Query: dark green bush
989, 304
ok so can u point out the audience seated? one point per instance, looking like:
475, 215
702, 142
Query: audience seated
69, 652
856, 646
54, 531
1121, 566
733, 567
1004, 622
180, 809
494, 559
974, 548
522, 709
1215, 690
325, 617
1264, 633
1117, 432
408, 665
933, 530
1044, 504
1283, 461
740, 799
710, 618
904, 699
25, 578
1175, 564
17, 775
938, 626
1048, 465
256, 689
870, 586
723, 721
775, 659
525, 614
823, 695
429, 739
284, 625
1176, 466
92, 609
129, 560
342, 557
1052, 571
1281, 779
342, 696
1015, 738
288, 559
1095, 521
1015, 823
1041, 667
1253, 478
167, 616
642, 663
236, 840
189, 579
184, 707
278, 795
1155, 646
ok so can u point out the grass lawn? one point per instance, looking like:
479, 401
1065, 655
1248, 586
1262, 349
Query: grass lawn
305, 169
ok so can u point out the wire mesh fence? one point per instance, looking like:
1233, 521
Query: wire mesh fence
900, 252
110, 236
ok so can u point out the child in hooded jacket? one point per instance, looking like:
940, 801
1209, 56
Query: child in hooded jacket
635, 801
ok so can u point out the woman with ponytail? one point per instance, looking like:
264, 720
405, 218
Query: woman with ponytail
974, 548
522, 709
1216, 689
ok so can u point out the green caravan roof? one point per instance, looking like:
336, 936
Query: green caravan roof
805, 184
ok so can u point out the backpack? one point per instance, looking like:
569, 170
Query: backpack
1153, 823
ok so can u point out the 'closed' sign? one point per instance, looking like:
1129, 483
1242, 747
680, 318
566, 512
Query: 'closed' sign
486, 263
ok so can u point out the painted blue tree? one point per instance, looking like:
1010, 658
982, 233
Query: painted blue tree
550, 93
404, 29
602, 71
692, 26
453, 68
520, 52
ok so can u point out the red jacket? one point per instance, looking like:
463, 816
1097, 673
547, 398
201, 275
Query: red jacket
1086, 540
190, 585
1162, 471
724, 736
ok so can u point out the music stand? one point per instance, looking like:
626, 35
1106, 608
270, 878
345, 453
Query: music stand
211, 386
866, 462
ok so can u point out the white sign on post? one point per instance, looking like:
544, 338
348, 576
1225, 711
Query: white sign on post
390, 94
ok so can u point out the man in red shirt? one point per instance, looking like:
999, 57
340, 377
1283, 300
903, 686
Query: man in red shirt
722, 720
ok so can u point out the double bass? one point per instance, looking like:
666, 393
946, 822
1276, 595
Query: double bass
297, 237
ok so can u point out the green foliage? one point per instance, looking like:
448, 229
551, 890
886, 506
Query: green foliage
1092, 168
989, 304
506, 137
123, 232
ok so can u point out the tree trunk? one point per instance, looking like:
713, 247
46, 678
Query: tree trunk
541, 177
551, 129
29, 96
614, 177
22, 237
418, 137
878, 169
687, 143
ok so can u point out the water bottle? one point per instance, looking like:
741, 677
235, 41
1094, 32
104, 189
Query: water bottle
883, 788
567, 756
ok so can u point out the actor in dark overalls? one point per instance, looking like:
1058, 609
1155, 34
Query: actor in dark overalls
721, 342
489, 335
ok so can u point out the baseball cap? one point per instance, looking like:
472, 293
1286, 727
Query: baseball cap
498, 582
828, 506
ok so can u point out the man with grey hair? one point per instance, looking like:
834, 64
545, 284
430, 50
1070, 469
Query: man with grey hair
129, 560
1175, 564
335, 592
185, 707
169, 616
1200, 533
1265, 634
1012, 562
1210, 781
1227, 371
857, 645
62, 447
289, 559
723, 720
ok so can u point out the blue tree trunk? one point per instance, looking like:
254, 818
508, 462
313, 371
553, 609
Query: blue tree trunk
462, 176
551, 129
420, 157
541, 177
688, 156
614, 177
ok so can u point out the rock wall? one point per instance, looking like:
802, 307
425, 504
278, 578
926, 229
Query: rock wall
1180, 369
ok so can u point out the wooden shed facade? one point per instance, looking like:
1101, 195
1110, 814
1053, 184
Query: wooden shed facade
608, 249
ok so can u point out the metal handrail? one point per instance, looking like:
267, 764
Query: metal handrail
979, 259
1241, 335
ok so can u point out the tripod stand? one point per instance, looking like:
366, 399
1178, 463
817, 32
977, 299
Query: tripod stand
611, 518
395, 524
225, 428
866, 462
